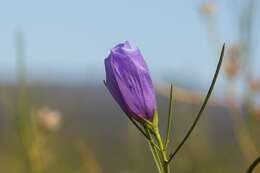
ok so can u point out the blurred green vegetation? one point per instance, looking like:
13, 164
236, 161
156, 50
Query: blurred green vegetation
101, 140
50, 128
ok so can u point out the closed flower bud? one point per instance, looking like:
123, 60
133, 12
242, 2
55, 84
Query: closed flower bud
129, 82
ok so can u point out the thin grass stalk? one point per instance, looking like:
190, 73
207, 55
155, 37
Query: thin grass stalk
202, 107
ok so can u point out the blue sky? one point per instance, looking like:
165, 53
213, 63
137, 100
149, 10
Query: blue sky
68, 40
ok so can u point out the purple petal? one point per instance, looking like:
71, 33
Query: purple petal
129, 81
112, 86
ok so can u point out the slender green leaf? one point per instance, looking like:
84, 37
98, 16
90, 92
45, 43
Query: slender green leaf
202, 107
170, 117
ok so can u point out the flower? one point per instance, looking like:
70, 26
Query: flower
232, 65
129, 82
49, 119
208, 8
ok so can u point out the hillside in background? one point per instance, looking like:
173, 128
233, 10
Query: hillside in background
91, 116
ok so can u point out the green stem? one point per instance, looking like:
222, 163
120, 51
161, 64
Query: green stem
154, 152
253, 165
163, 152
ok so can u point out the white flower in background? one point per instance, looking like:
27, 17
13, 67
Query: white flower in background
232, 63
49, 119
208, 8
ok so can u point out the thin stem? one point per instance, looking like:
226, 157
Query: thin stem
155, 154
253, 165
142, 131
162, 151
23, 110
138, 127
156, 146
202, 107
170, 116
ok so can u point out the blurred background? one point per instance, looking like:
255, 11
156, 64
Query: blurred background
57, 116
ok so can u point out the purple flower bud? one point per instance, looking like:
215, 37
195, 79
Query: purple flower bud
129, 82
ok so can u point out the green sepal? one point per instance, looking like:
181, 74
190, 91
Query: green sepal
155, 120
152, 126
